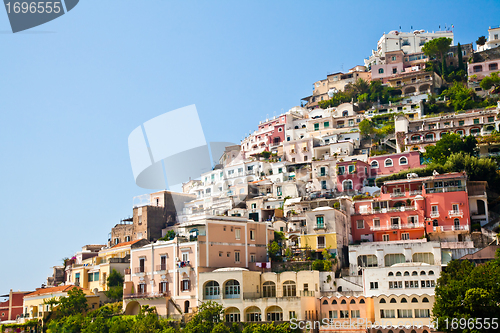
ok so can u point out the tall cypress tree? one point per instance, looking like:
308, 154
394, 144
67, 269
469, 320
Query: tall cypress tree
460, 60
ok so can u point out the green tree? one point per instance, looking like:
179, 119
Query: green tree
437, 48
73, 304
490, 81
274, 251
366, 128
481, 41
448, 144
208, 316
115, 286
467, 291
460, 58
460, 97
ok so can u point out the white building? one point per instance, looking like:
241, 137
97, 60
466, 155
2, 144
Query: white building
493, 40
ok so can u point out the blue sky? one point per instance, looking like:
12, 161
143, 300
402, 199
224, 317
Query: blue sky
72, 90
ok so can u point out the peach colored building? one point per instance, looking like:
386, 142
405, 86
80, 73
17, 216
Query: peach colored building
344, 311
164, 274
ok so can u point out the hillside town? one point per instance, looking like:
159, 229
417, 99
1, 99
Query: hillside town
345, 209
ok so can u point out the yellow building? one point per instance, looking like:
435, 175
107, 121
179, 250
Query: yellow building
34, 303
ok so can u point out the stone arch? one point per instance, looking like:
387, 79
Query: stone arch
133, 308
424, 87
409, 90
253, 313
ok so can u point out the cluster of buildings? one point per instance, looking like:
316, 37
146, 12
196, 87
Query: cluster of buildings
306, 180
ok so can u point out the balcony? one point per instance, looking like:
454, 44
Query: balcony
456, 213
319, 226
445, 189
139, 270
397, 226
398, 194
147, 295
322, 174
434, 214
321, 246
450, 228
250, 172
162, 267
414, 193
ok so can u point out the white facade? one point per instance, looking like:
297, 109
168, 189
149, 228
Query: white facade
401, 279
493, 40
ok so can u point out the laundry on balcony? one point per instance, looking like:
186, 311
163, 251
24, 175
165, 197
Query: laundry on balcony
183, 264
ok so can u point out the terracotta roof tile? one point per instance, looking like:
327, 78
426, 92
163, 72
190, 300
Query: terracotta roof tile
125, 243
51, 290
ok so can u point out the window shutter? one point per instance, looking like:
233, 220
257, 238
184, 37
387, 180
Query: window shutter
188, 285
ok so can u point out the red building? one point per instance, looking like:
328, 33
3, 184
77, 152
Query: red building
383, 165
271, 133
352, 175
12, 308
410, 208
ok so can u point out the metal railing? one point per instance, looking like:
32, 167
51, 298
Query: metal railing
147, 295
162, 267
455, 213
398, 226
139, 270
445, 189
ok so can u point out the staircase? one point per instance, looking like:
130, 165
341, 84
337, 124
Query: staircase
388, 141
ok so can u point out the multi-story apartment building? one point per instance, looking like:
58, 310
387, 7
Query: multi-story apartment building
11, 308
483, 64
155, 211
422, 132
369, 255
413, 310
165, 273
383, 165
408, 42
335, 82
410, 208
34, 303
415, 82
354, 312
352, 176
339, 120
411, 106
255, 297
493, 40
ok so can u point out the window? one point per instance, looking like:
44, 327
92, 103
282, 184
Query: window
493, 67
352, 168
237, 233
254, 206
394, 258
491, 119
387, 314
422, 313
385, 238
360, 224
414, 300
269, 289
237, 256
127, 238
326, 124
347, 185
252, 234
344, 313
289, 289
376, 222
320, 222
373, 285
228, 254
321, 242
425, 257
292, 314
405, 313
341, 170
477, 68
368, 260
253, 257
232, 289
163, 287
355, 314
381, 71
413, 219
333, 314
434, 211
220, 253
185, 284
461, 123
394, 70
316, 127
141, 288
405, 236
185, 256
382, 300
403, 161
374, 165
388, 162
476, 121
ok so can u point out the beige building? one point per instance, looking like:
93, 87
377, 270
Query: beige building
165, 273
34, 303
408, 310
254, 296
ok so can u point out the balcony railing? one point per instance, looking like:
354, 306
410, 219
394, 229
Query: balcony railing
451, 228
416, 192
398, 194
162, 267
398, 226
453, 213
139, 270
323, 174
319, 226
434, 214
445, 189
147, 295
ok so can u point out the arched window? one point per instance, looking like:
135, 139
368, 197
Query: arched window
368, 260
388, 162
325, 301
274, 313
381, 71
425, 257
414, 273
361, 301
345, 113
374, 164
289, 289
347, 185
343, 302
390, 274
425, 300
414, 300
422, 273
398, 274
232, 289
352, 301
393, 300
334, 301
403, 161
382, 300
403, 300
269, 289
394, 258
232, 315
407, 273
430, 273
253, 314
212, 290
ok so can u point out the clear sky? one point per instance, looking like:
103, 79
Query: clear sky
72, 90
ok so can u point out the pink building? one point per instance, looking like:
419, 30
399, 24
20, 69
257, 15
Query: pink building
352, 175
383, 165
164, 274
411, 208
271, 133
